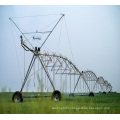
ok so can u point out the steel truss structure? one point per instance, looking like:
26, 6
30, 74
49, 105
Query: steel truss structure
56, 65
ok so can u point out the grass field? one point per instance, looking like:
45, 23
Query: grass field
100, 104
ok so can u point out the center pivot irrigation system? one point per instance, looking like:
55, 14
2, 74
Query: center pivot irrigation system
59, 71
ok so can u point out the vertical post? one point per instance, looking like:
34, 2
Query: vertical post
66, 81
91, 84
83, 86
45, 75
53, 71
98, 87
70, 80
61, 81
38, 69
74, 80
42, 78
34, 74
95, 85
77, 86
24, 63
80, 85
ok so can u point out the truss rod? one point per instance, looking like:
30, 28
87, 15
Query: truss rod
46, 73
76, 83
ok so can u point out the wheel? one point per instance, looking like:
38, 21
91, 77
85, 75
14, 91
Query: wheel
100, 92
17, 97
104, 92
91, 94
56, 95
71, 95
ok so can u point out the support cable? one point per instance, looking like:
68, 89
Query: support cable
36, 16
59, 36
16, 53
21, 32
69, 40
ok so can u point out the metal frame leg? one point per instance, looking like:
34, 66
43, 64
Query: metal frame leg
28, 72
46, 73
76, 83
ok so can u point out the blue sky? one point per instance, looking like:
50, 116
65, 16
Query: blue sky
93, 33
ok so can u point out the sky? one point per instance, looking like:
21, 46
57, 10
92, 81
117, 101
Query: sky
93, 34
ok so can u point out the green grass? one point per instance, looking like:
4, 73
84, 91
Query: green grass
100, 104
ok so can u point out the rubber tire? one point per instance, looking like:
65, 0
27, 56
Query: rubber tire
104, 92
100, 92
91, 94
19, 95
71, 95
58, 94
